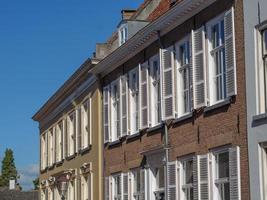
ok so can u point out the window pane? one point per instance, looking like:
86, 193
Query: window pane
189, 172
215, 36
223, 165
226, 191
160, 177
265, 42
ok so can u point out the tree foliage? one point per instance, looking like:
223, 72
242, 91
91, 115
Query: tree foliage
36, 183
8, 170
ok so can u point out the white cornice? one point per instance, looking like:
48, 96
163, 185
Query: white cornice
167, 22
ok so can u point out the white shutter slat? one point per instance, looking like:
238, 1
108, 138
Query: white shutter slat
106, 113
167, 89
195, 178
234, 170
198, 61
171, 172
124, 105
230, 58
125, 186
204, 177
144, 95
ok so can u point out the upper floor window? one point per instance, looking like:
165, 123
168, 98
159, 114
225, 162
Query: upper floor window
71, 133
217, 64
85, 124
123, 34
59, 143
115, 110
134, 100
184, 77
155, 97
50, 147
44, 151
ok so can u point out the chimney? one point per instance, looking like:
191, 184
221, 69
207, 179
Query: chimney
127, 14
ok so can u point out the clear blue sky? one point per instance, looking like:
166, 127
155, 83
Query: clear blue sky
41, 44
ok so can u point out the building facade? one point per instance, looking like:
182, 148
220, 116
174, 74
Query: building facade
70, 146
174, 106
255, 16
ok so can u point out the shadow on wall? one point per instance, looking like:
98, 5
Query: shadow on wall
18, 195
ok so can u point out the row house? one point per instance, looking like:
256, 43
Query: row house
70, 146
255, 17
174, 107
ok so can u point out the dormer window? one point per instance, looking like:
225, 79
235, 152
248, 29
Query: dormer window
123, 34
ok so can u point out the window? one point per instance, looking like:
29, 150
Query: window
50, 147
70, 191
217, 64
134, 100
71, 133
262, 71
155, 114
117, 187
85, 187
187, 179
138, 184
222, 175
59, 146
44, 151
115, 110
123, 34
85, 124
264, 169
160, 178
184, 77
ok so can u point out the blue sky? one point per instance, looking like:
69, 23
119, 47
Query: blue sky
41, 44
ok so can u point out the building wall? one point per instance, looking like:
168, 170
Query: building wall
202, 132
254, 13
94, 155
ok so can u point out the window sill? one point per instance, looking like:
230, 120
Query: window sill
51, 167
116, 142
155, 128
135, 135
183, 118
59, 163
225, 102
85, 150
70, 157
259, 117
43, 170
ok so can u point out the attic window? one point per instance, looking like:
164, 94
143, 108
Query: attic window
123, 34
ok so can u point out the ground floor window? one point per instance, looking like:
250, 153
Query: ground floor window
117, 187
160, 183
139, 184
71, 191
264, 169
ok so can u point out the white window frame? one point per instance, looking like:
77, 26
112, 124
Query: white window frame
115, 194
71, 132
43, 150
261, 75
155, 92
136, 195
123, 34
180, 103
218, 183
59, 140
51, 146
134, 108
85, 123
71, 190
115, 112
211, 63
86, 187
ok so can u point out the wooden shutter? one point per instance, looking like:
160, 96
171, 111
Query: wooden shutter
203, 177
199, 67
230, 59
125, 186
124, 105
143, 85
107, 189
195, 178
171, 173
106, 113
79, 128
234, 172
167, 77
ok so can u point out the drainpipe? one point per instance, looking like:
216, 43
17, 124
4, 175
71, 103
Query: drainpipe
166, 148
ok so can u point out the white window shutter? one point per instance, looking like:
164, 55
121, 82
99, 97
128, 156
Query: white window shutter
143, 85
230, 57
195, 178
125, 186
89, 125
234, 169
199, 67
106, 113
79, 130
124, 105
171, 173
179, 180
203, 177
167, 77
107, 188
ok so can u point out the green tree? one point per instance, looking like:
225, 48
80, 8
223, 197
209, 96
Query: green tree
36, 183
8, 170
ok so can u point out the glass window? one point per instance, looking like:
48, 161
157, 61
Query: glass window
187, 182
123, 34
184, 78
217, 66
134, 101
265, 42
71, 131
160, 178
84, 124
117, 187
222, 175
138, 184
115, 110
